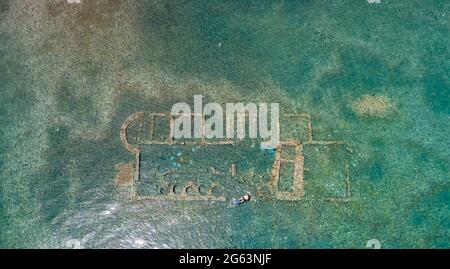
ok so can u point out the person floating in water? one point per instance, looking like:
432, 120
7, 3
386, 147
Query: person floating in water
244, 198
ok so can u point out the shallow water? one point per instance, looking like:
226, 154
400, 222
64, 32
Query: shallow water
72, 73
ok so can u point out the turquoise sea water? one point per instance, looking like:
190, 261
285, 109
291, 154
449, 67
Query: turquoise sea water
70, 74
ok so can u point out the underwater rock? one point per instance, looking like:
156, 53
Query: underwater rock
373, 106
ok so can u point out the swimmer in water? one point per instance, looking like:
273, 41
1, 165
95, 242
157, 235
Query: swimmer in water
245, 198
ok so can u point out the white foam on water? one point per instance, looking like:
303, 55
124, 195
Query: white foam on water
139, 242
